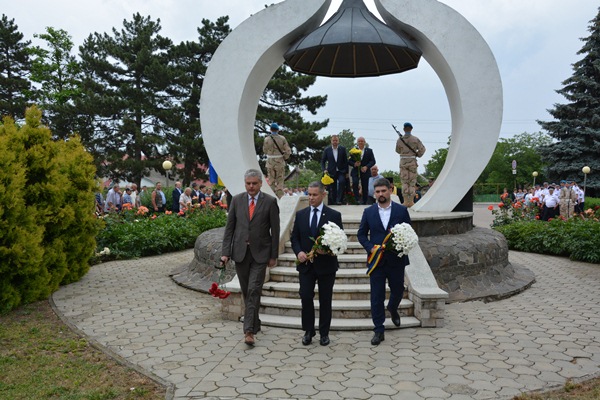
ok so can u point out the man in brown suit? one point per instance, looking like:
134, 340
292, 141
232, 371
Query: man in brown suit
251, 240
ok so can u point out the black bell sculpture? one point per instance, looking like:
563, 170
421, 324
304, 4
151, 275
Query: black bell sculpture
353, 43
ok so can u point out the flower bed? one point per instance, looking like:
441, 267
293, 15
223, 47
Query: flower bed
139, 233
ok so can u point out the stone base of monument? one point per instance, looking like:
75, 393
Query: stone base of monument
468, 263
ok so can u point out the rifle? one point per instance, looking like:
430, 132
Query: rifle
397, 131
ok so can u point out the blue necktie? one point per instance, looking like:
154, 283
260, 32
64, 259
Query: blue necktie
313, 223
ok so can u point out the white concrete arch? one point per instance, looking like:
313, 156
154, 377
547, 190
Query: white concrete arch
236, 78
247, 59
470, 76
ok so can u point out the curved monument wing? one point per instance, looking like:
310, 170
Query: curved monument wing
236, 78
469, 72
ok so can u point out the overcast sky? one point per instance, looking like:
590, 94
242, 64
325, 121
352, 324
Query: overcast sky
534, 41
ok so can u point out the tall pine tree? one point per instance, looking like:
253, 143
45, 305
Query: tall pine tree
15, 67
58, 73
182, 122
576, 127
125, 80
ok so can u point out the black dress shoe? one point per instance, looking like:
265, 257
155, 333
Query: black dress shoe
378, 337
307, 338
395, 317
324, 341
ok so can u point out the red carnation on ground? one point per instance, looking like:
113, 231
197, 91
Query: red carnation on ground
216, 291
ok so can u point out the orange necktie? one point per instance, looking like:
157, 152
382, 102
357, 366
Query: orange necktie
251, 207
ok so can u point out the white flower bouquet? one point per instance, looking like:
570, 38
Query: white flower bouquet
404, 239
331, 241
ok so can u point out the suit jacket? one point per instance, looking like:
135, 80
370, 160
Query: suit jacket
368, 160
371, 231
332, 166
261, 233
324, 264
176, 195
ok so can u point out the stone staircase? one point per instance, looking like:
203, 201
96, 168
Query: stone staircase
423, 305
281, 306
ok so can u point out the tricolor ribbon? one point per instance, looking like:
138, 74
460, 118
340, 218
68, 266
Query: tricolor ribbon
376, 255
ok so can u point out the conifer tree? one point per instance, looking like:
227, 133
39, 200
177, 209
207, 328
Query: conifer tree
47, 223
576, 127
182, 121
15, 65
57, 72
125, 80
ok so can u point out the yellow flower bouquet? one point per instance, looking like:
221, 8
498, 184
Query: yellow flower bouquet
326, 179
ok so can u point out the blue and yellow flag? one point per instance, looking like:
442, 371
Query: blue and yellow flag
213, 177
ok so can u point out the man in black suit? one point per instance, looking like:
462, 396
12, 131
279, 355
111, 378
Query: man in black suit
335, 163
322, 269
362, 168
176, 195
376, 222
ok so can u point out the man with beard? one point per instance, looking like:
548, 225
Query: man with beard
376, 222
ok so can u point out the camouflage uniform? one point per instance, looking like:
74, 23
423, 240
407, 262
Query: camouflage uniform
408, 165
567, 200
276, 161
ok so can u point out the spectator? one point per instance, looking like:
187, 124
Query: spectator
195, 193
176, 194
113, 199
550, 205
374, 176
159, 200
134, 195
127, 198
185, 200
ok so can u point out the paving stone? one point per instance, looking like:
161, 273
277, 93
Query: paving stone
531, 341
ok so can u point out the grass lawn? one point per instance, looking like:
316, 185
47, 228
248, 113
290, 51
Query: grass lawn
41, 358
588, 390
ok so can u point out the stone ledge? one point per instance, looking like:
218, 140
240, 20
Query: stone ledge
475, 266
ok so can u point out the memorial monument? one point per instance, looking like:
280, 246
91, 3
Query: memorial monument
352, 44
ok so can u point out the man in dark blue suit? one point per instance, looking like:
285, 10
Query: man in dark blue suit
176, 195
322, 269
335, 163
362, 168
377, 220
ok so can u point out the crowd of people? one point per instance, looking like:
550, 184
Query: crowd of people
565, 199
120, 198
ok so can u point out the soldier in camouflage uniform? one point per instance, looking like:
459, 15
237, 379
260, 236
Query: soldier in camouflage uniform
277, 150
410, 148
568, 200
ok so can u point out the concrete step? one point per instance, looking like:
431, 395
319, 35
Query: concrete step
345, 260
343, 276
345, 309
337, 324
353, 248
291, 290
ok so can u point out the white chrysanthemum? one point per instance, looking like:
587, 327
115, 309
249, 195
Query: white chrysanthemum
404, 238
334, 238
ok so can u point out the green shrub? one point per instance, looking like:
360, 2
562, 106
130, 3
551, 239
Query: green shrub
591, 202
129, 235
47, 222
576, 238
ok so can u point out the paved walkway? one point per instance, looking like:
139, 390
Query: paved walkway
535, 340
